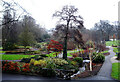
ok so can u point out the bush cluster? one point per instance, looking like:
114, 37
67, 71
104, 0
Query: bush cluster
79, 60
99, 58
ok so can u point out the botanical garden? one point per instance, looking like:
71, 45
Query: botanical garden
70, 51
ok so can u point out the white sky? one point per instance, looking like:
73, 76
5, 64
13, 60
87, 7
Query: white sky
91, 10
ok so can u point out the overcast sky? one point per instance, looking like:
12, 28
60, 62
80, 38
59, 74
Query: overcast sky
91, 10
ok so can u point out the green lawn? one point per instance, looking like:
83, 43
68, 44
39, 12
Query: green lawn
115, 43
2, 52
115, 71
105, 51
69, 52
15, 57
1, 48
51, 54
20, 56
115, 50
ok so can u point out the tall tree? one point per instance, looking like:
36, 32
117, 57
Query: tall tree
9, 32
26, 37
105, 28
68, 16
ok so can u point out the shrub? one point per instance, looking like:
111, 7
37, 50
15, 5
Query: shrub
38, 45
10, 67
100, 58
57, 61
74, 63
25, 67
79, 60
32, 61
50, 63
25, 60
47, 72
9, 46
41, 63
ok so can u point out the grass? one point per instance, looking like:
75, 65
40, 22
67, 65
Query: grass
110, 43
20, 56
115, 71
51, 54
115, 50
105, 51
2, 52
68, 53
1, 48
15, 57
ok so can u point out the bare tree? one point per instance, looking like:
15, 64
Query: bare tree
68, 16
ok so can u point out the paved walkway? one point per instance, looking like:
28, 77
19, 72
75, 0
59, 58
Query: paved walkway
105, 71
23, 77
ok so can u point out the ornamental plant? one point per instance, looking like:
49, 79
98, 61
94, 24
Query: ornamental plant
79, 60
91, 46
25, 67
55, 46
40, 63
10, 67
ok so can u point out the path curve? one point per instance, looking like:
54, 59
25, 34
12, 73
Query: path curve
105, 71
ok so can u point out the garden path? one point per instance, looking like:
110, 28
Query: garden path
105, 71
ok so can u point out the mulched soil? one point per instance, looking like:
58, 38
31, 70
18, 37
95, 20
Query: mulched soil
87, 73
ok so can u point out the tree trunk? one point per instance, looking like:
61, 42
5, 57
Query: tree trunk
90, 61
25, 51
65, 42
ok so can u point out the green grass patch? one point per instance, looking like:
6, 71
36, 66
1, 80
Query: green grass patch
105, 51
115, 71
51, 54
2, 52
115, 50
1, 48
114, 43
72, 51
15, 57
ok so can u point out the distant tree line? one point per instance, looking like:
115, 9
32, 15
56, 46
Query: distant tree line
23, 31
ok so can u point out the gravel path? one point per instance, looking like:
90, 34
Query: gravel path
105, 71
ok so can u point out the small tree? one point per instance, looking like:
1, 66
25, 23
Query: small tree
55, 46
91, 47
26, 38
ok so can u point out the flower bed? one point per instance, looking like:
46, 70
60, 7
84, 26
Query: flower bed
44, 67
